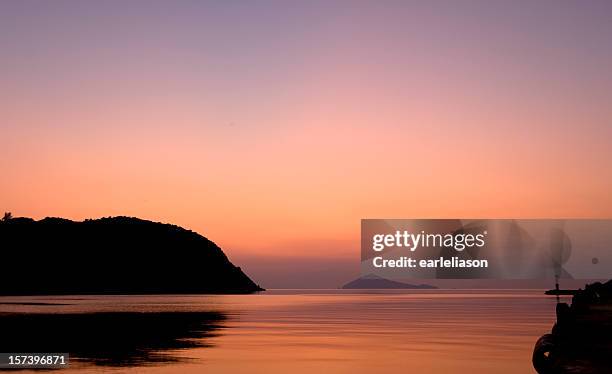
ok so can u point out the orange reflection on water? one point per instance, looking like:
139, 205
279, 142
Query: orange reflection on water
344, 332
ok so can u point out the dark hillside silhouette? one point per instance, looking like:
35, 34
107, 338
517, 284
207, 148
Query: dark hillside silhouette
118, 255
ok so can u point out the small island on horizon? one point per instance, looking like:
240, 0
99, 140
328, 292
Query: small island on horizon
372, 281
115, 255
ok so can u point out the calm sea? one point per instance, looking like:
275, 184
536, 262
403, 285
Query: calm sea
285, 331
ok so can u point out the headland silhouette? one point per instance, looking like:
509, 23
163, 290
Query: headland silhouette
120, 255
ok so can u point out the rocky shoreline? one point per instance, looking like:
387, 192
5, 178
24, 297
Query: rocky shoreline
580, 341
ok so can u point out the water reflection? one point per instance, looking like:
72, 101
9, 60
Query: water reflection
335, 331
110, 338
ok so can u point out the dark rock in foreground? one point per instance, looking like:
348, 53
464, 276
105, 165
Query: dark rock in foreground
581, 340
119, 255
375, 282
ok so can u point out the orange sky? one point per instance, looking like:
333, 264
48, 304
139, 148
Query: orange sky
275, 137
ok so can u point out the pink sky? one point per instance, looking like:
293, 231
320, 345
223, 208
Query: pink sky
272, 129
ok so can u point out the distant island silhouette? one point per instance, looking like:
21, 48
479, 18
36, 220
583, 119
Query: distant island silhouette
372, 281
118, 255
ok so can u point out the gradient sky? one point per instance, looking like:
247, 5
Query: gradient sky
273, 127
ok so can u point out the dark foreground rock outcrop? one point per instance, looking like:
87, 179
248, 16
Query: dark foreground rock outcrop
581, 340
118, 255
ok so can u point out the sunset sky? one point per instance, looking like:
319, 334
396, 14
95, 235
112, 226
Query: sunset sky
272, 128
